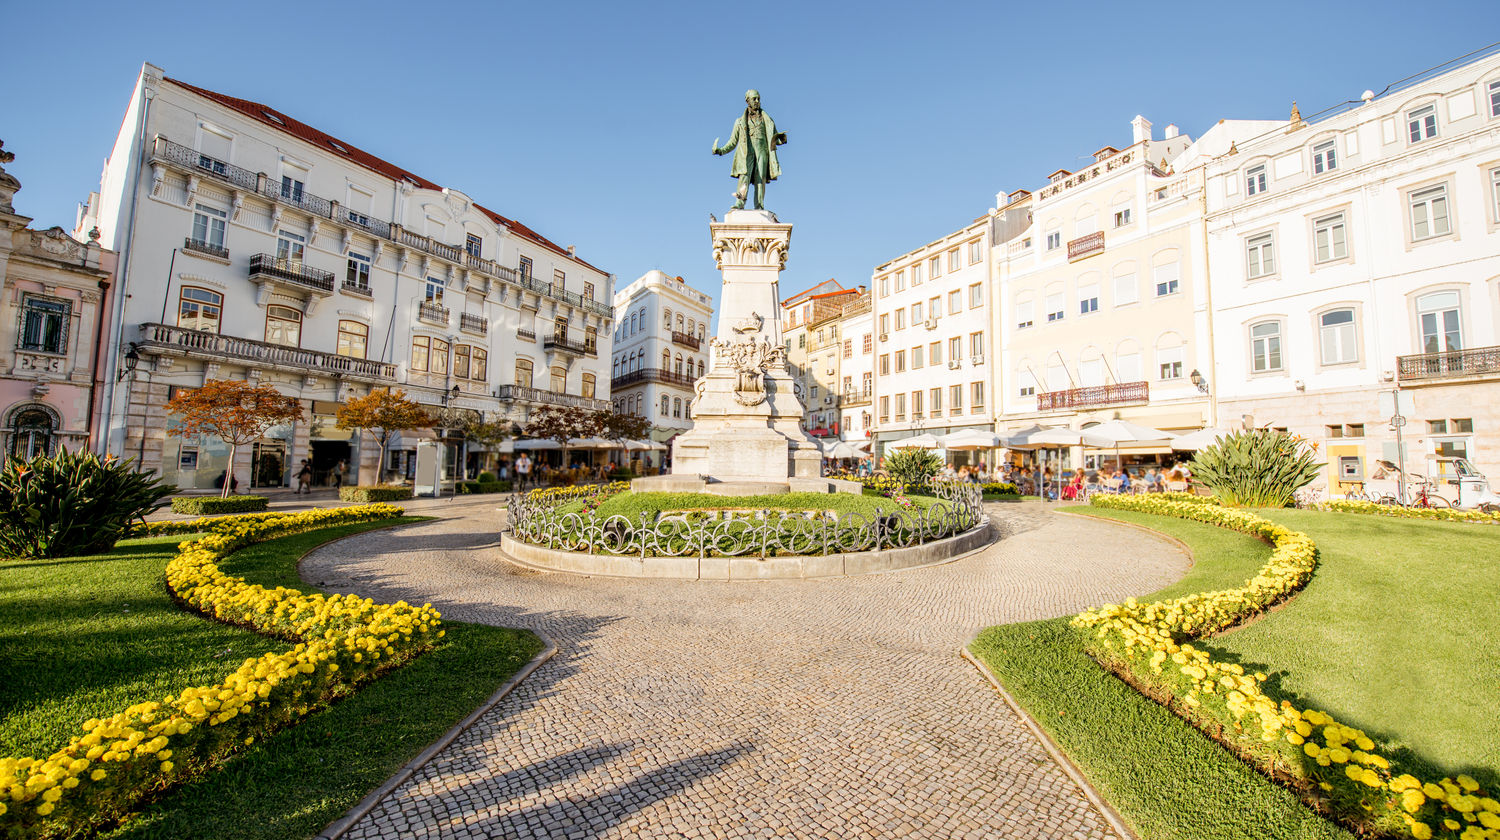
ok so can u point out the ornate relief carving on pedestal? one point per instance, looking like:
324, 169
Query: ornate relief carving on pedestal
750, 251
55, 242
749, 359
749, 324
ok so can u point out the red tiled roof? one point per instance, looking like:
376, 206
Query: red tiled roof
810, 293
269, 116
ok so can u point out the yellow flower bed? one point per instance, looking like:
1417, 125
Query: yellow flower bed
1336, 766
558, 495
1442, 514
342, 639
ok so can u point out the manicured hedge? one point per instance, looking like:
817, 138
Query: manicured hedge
621, 475
378, 493
473, 487
1000, 488
215, 505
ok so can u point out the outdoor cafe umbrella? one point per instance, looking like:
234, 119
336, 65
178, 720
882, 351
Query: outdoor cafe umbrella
1122, 431
922, 441
1197, 440
1062, 436
970, 439
844, 450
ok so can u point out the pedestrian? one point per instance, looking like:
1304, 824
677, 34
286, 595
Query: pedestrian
338, 473
304, 478
523, 471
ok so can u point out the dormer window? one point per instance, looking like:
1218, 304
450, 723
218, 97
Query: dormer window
1255, 179
1325, 157
1058, 176
1421, 123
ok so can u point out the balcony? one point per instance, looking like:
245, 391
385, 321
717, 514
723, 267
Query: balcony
563, 344
473, 323
207, 248
1086, 246
536, 396
1118, 394
1474, 363
353, 288
433, 313
661, 375
265, 268
857, 396
164, 340
686, 340
525, 335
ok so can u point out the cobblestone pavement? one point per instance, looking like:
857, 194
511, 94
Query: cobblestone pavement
687, 709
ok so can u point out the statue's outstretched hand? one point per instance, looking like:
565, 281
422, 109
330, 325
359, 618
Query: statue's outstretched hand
717, 150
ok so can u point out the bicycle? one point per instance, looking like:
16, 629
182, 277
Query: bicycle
1356, 492
1424, 497
1309, 497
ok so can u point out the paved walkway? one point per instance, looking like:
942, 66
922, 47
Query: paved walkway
685, 709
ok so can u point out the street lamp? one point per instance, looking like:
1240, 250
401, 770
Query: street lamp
132, 358
1198, 380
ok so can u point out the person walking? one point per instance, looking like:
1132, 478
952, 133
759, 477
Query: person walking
338, 474
523, 471
304, 478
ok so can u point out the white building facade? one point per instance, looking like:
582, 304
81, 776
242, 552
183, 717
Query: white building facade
933, 341
1357, 252
660, 349
857, 369
254, 246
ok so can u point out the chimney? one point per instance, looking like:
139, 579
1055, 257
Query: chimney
1171, 131
572, 250
1140, 129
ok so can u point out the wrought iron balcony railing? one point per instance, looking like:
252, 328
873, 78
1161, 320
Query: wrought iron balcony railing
434, 312
652, 375
360, 289
163, 339
1117, 394
291, 271
526, 335
473, 323
1452, 364
201, 247
563, 343
522, 393
687, 340
858, 396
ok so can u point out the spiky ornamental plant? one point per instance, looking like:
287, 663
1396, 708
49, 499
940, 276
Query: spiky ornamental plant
913, 466
70, 504
1257, 468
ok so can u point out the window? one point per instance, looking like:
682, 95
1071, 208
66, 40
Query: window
955, 348
885, 285
1260, 256
916, 313
1169, 363
665, 402
848, 348
1122, 217
1088, 298
1439, 318
523, 373
900, 319
1025, 314
901, 278
935, 396
953, 264
1128, 367
44, 325
208, 226
885, 409
1166, 277
198, 309
1495, 192
1055, 304
353, 340
677, 406
591, 340
916, 276
802, 338
472, 245
976, 295
1437, 427
559, 380
218, 167
976, 345
1354, 430
976, 397
935, 303
358, 273
1126, 289
666, 320
916, 357
868, 344
1255, 179
1336, 430
976, 253
1421, 123
32, 433
1325, 157
1495, 99
289, 247
955, 302
1028, 384
900, 407
1337, 338
916, 405
291, 188
1265, 347
900, 361
434, 292
461, 356
283, 326
885, 324
1054, 240
955, 400
1330, 241
588, 291
588, 386
885, 364
523, 267
934, 268
1429, 212
935, 353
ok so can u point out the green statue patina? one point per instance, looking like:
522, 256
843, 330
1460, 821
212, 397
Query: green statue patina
753, 141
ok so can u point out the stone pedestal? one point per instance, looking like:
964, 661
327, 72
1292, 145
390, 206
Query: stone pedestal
747, 434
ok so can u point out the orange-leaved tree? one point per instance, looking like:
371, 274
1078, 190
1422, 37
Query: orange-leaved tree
236, 412
386, 411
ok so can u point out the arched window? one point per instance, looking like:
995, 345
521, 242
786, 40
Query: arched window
32, 433
700, 332
632, 324
198, 309
523, 373
1337, 336
283, 326
692, 326
666, 360
588, 386
559, 380
1438, 315
676, 406
590, 340
679, 322
664, 405
614, 370
679, 364
353, 339
667, 319
700, 368
560, 330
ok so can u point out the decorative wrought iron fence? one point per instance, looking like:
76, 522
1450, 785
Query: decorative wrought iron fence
745, 533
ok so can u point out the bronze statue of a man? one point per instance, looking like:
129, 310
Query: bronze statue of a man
753, 141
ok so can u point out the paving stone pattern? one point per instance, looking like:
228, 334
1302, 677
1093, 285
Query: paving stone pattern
687, 709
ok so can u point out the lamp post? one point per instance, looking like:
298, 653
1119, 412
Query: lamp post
1197, 379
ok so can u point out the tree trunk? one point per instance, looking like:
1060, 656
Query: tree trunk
229, 473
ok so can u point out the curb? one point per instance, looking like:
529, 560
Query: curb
340, 826
1116, 823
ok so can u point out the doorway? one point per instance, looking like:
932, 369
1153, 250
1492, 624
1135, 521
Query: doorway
326, 455
268, 464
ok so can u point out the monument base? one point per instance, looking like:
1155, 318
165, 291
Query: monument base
743, 486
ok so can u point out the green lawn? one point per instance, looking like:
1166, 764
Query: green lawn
155, 649
1394, 635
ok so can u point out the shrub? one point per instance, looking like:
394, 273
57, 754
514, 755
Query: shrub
71, 504
214, 506
378, 493
486, 476
621, 475
1000, 488
483, 486
912, 465
1258, 468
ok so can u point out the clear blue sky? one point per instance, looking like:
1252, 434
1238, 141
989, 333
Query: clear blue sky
592, 122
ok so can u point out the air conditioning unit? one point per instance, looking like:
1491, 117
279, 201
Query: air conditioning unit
931, 323
954, 364
884, 336
977, 360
